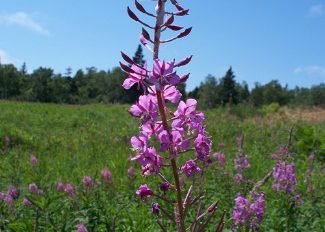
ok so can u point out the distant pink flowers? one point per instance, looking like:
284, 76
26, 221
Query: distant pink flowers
284, 177
33, 160
248, 214
87, 181
220, 157
106, 174
81, 228
283, 172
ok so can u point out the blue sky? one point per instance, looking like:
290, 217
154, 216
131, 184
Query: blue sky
261, 40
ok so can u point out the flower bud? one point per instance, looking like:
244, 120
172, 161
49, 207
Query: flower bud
184, 61
155, 208
132, 15
186, 32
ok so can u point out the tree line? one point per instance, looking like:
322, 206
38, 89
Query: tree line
99, 86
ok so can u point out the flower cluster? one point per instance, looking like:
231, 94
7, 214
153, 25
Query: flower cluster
176, 132
283, 172
284, 177
241, 162
248, 213
9, 197
160, 85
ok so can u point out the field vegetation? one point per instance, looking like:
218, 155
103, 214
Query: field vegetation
43, 145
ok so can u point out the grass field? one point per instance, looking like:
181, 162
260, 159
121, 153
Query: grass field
75, 141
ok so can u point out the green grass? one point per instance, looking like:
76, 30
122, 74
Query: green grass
73, 141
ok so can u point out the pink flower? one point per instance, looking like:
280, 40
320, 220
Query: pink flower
12, 191
150, 161
169, 92
131, 171
202, 146
241, 162
144, 191
33, 188
163, 73
87, 181
220, 158
26, 202
33, 160
81, 228
177, 141
8, 200
69, 188
249, 214
136, 77
238, 178
190, 168
186, 116
164, 186
284, 177
155, 208
60, 186
145, 108
140, 142
106, 174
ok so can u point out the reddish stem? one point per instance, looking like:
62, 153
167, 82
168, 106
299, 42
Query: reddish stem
163, 114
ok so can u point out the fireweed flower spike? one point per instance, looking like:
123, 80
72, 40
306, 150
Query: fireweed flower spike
181, 133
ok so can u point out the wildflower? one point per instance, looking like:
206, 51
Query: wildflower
238, 178
137, 76
220, 158
33, 188
163, 73
8, 200
33, 160
81, 228
106, 174
155, 208
131, 171
60, 186
174, 140
185, 115
26, 202
87, 181
12, 191
150, 161
190, 168
241, 162
140, 143
164, 186
69, 188
170, 93
248, 213
145, 108
202, 146
284, 177
144, 191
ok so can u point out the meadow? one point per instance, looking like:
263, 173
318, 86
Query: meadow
70, 142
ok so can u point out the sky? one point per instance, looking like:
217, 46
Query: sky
260, 40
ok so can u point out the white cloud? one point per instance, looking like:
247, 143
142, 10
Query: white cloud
311, 70
316, 10
4, 57
24, 20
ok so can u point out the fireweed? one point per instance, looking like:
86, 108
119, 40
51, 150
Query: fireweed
248, 213
177, 133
